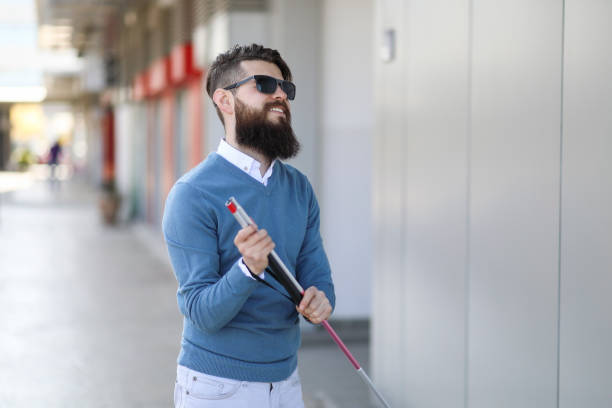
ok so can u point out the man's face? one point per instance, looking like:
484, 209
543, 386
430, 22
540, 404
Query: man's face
263, 121
255, 100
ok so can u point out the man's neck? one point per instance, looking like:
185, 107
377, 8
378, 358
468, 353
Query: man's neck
264, 163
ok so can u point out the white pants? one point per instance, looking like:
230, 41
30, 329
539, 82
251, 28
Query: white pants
198, 390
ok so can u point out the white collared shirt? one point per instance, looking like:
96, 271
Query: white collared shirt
250, 166
244, 162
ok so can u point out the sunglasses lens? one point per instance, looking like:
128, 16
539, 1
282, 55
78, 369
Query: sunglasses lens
289, 89
267, 85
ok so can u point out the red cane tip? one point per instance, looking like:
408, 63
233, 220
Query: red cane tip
230, 206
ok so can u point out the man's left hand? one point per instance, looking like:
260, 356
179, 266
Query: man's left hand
314, 305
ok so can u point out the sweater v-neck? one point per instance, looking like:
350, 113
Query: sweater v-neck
243, 175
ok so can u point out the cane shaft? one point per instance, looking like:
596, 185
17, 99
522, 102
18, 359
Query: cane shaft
296, 291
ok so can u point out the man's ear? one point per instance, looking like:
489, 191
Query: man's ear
224, 101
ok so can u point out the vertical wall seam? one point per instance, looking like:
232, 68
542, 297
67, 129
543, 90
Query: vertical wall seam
402, 58
466, 354
561, 106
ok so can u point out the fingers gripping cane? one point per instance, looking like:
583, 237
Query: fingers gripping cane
282, 273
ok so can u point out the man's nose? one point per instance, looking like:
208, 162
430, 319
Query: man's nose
279, 93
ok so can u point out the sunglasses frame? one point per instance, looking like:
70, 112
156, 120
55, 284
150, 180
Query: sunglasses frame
279, 82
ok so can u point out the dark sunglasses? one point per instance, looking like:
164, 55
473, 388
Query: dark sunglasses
267, 84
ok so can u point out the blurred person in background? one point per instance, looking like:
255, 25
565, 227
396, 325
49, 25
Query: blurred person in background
240, 337
55, 153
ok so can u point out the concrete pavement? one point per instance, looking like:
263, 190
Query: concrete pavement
88, 314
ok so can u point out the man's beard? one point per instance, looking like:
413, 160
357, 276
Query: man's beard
271, 139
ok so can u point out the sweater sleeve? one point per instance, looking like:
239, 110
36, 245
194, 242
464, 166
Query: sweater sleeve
312, 267
206, 296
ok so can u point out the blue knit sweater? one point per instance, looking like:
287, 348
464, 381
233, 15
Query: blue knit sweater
234, 326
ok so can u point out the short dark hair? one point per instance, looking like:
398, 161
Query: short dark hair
225, 70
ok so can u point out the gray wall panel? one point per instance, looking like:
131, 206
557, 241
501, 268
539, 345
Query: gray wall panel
388, 297
435, 200
514, 203
533, 312
586, 263
345, 154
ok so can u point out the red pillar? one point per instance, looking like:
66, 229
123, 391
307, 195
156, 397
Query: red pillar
168, 113
150, 172
196, 118
108, 146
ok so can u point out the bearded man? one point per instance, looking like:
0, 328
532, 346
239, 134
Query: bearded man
240, 337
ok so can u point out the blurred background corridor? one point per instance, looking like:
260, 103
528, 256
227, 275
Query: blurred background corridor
460, 151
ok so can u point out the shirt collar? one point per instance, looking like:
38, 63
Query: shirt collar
244, 162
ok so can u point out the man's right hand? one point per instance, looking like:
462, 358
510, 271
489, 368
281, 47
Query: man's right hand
255, 246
